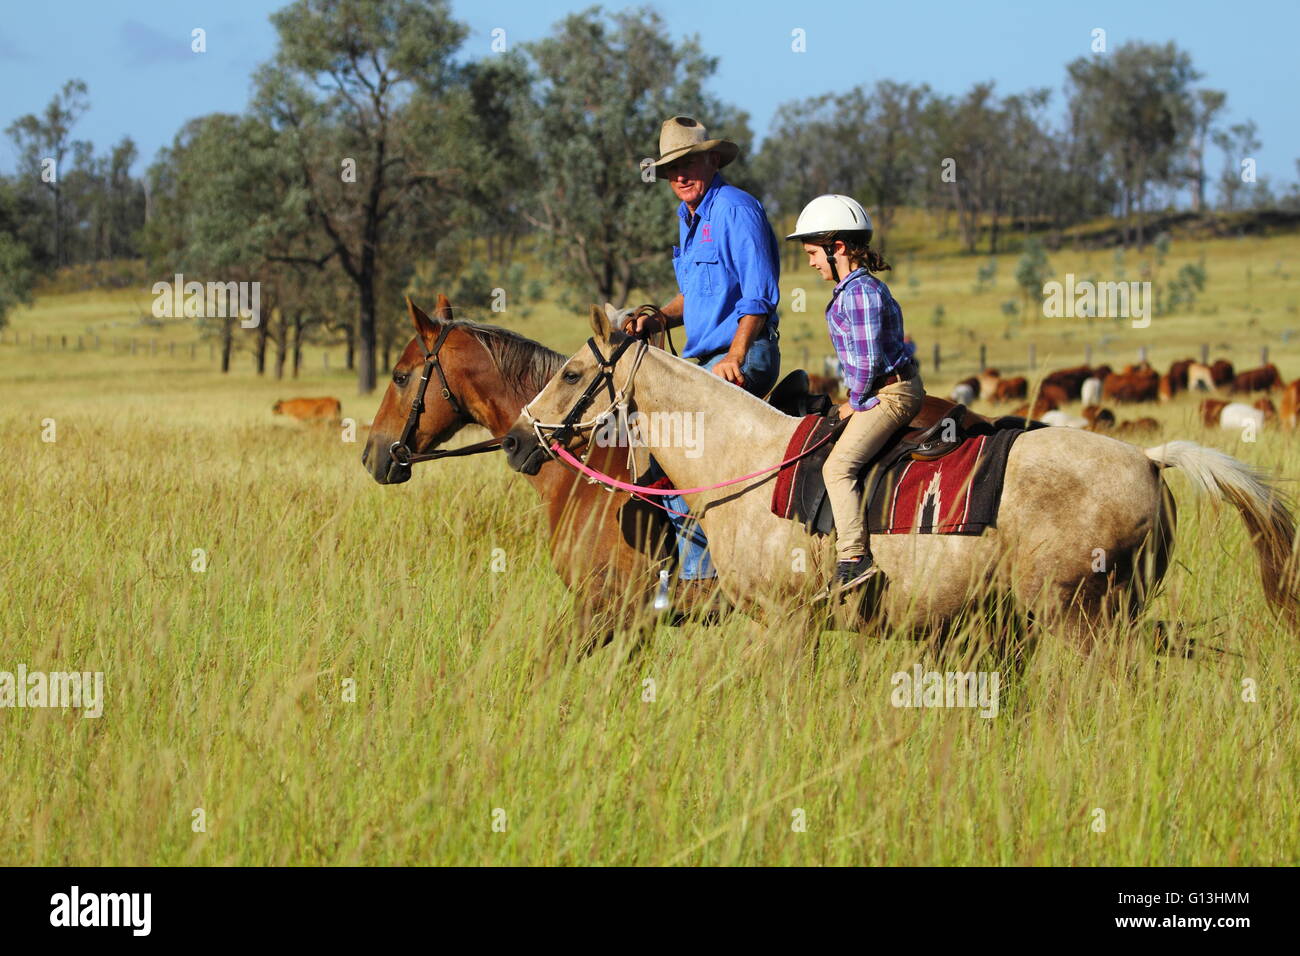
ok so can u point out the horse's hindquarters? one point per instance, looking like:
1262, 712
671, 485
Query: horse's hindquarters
1076, 510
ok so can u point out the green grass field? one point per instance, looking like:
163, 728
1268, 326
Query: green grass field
348, 681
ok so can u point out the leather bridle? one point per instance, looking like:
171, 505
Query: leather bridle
400, 450
561, 432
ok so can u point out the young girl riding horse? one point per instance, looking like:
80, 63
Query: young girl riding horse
880, 375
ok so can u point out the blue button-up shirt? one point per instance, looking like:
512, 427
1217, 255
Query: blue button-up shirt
727, 266
866, 326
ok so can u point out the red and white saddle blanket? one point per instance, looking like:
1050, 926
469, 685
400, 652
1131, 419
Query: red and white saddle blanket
955, 494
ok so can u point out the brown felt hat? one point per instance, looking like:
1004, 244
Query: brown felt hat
683, 135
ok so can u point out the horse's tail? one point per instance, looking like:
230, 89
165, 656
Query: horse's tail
1262, 506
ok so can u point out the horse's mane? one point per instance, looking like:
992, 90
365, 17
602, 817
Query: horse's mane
525, 365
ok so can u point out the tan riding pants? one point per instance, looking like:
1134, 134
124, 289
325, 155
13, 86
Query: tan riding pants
864, 435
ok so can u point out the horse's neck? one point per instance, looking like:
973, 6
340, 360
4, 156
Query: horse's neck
494, 404
737, 433
495, 409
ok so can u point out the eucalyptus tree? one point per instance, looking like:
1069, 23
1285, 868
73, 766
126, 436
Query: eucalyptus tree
1138, 101
47, 139
350, 89
604, 85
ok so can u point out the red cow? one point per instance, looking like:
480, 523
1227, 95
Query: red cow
1211, 409
1260, 379
309, 409
1070, 380
1221, 372
1266, 406
1290, 413
1011, 388
826, 385
1134, 384
1138, 426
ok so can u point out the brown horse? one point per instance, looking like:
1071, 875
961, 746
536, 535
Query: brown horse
606, 547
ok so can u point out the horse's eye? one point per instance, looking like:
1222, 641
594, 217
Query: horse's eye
572, 377
399, 379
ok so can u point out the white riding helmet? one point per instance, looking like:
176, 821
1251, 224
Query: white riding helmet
831, 213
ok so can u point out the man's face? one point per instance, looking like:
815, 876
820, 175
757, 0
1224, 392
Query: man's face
690, 176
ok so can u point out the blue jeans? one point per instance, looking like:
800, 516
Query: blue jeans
760, 368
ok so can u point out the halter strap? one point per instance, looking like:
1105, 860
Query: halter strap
550, 432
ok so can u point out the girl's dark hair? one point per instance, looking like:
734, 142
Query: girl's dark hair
857, 247
859, 251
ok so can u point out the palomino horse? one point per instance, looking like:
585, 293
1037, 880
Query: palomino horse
604, 546
1068, 496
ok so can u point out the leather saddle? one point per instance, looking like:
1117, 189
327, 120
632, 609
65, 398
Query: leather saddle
794, 396
940, 427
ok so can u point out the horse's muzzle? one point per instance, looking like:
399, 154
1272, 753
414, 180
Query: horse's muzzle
523, 453
382, 465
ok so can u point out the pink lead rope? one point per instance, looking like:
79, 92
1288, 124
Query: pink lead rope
646, 490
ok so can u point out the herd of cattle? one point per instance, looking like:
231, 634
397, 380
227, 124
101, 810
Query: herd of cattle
1225, 394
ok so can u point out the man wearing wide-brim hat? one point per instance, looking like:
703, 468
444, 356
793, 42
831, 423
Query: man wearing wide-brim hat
727, 266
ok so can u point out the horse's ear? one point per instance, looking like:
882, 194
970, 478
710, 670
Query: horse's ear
423, 324
443, 308
600, 323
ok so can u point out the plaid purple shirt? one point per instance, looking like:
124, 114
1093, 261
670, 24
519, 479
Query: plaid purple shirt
866, 326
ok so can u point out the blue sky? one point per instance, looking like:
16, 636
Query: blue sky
143, 79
